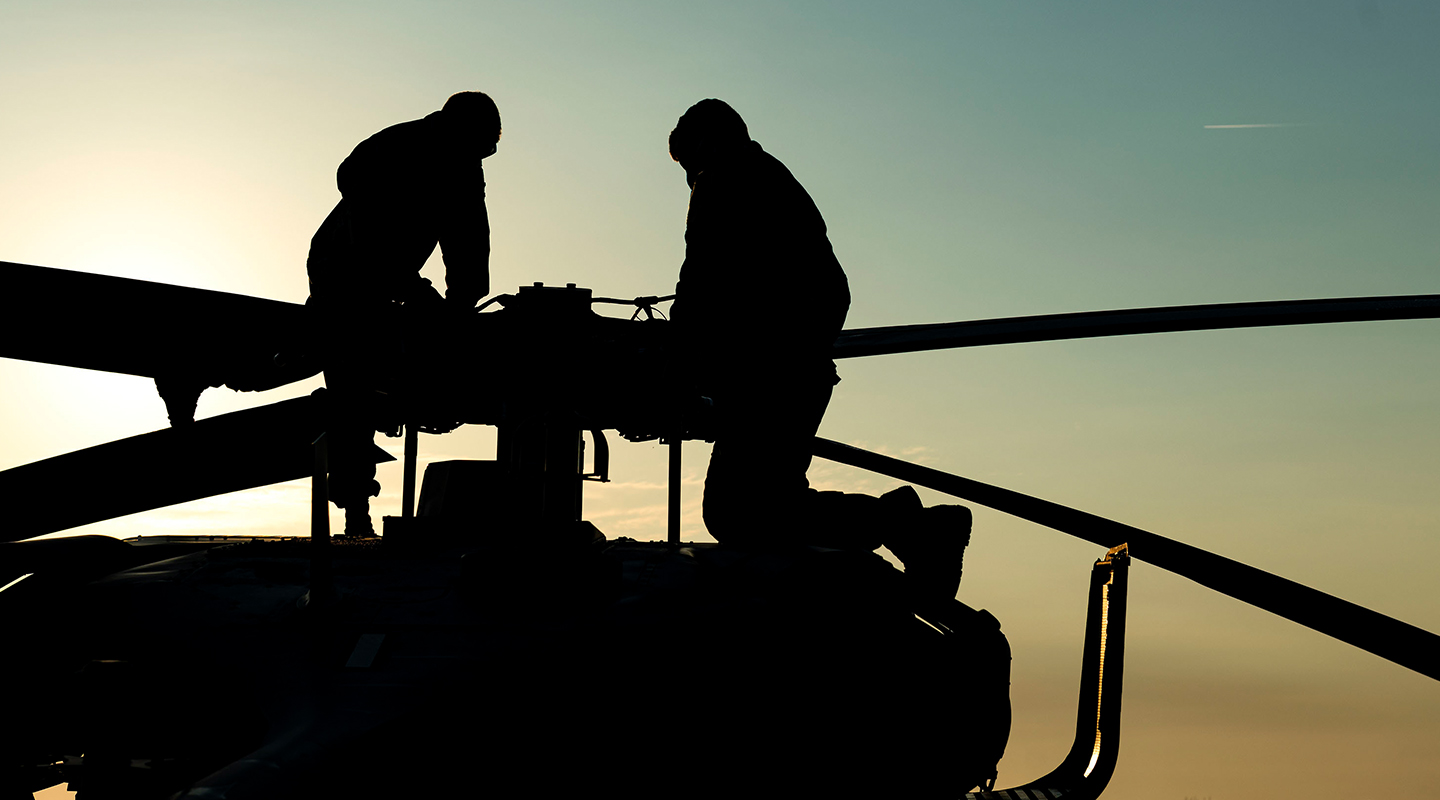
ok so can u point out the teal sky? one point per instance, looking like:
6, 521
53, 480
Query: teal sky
972, 159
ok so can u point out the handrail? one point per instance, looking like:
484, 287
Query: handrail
322, 579
1387, 637
673, 484
1087, 768
407, 490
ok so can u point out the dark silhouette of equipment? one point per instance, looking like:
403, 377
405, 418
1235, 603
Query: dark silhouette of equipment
492, 632
185, 339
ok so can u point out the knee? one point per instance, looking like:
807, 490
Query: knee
723, 519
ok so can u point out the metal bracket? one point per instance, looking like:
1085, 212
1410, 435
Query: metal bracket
602, 459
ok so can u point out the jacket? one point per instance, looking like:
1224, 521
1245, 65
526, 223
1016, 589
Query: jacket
761, 295
404, 190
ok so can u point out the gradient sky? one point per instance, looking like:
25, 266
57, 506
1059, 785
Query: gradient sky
972, 159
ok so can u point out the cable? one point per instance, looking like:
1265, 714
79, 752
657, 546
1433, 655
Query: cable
502, 299
644, 304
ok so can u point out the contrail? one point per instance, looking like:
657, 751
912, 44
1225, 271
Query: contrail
1262, 125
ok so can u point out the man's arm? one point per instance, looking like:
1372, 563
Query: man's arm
704, 280
465, 240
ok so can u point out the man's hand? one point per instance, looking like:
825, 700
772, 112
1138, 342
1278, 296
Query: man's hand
422, 295
459, 304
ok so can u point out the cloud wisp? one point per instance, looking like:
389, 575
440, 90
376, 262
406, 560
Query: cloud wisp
1260, 125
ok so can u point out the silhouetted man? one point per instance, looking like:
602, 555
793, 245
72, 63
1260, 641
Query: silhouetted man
760, 300
403, 190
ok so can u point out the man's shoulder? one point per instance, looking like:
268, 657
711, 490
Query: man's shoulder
744, 170
756, 154
399, 137
399, 154
759, 166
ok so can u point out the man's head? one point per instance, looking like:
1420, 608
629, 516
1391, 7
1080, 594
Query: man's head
708, 131
474, 116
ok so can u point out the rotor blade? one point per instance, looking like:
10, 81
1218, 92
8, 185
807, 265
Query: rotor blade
79, 319
1384, 636
241, 450
1126, 322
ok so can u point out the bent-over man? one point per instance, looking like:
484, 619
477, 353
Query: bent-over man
404, 190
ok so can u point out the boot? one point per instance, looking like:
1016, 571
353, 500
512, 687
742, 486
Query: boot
357, 510
930, 542
357, 521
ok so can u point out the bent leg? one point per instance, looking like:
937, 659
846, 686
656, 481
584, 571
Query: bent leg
757, 494
756, 491
350, 429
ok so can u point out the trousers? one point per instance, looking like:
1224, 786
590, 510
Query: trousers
347, 340
756, 490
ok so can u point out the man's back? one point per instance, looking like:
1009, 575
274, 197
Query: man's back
413, 162
403, 190
755, 243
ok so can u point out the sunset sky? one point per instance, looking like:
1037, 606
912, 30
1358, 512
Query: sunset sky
972, 160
